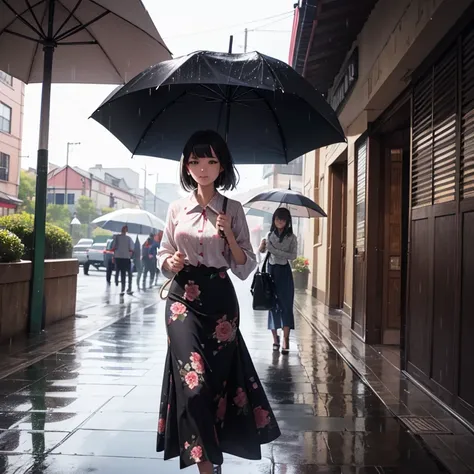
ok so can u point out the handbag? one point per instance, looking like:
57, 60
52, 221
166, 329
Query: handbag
167, 283
263, 289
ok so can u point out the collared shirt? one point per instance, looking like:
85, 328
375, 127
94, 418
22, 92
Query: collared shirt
192, 230
123, 246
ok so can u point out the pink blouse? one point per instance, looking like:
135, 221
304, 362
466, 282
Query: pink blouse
191, 230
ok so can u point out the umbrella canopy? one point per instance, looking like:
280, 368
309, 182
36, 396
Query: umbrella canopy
298, 204
137, 220
96, 41
267, 112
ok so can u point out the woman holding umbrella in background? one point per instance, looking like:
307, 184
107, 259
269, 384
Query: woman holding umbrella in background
282, 246
212, 400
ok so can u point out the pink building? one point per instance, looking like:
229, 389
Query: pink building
12, 93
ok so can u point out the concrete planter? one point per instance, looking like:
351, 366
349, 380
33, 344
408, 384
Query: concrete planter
60, 287
301, 280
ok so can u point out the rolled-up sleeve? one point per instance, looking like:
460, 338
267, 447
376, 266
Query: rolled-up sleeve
242, 236
168, 246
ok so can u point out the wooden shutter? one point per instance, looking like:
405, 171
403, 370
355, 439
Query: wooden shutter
361, 192
434, 134
444, 128
422, 162
467, 118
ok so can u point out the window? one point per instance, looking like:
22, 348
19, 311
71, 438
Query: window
4, 166
70, 198
5, 118
6, 78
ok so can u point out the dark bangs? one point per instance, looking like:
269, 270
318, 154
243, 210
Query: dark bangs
284, 214
201, 145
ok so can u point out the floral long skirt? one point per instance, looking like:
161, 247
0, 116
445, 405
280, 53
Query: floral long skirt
212, 400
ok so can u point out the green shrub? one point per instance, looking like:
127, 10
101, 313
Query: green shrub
11, 248
58, 243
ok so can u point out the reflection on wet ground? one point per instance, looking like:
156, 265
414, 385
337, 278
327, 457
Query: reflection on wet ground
92, 406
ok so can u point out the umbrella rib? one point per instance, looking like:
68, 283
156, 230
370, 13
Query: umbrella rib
30, 38
163, 109
19, 16
204, 86
34, 17
135, 26
272, 71
98, 44
71, 13
81, 26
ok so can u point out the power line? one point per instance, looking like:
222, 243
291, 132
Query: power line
224, 28
274, 21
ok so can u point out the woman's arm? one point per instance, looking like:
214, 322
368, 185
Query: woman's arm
168, 245
289, 254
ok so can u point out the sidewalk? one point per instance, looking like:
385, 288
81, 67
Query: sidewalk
91, 405
379, 368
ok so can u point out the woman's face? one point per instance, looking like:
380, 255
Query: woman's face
280, 223
204, 170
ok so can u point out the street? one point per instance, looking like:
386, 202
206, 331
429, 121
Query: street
93, 406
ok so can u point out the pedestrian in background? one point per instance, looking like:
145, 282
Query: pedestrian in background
149, 260
282, 245
122, 247
157, 243
137, 260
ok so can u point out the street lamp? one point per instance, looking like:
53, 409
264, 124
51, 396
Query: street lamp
75, 224
69, 144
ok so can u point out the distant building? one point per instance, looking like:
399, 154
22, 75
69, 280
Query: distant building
76, 182
119, 177
12, 92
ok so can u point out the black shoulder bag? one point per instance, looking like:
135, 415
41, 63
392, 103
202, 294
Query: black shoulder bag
263, 289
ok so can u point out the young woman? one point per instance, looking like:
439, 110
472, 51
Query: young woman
212, 400
282, 245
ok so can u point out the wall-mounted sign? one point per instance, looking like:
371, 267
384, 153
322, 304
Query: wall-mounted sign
345, 82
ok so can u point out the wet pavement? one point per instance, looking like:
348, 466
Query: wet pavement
91, 403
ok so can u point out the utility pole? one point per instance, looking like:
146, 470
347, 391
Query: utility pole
69, 144
231, 42
245, 39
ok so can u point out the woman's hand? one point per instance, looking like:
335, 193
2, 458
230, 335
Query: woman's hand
263, 246
224, 224
175, 263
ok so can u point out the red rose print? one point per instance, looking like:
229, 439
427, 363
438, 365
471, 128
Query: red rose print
196, 362
161, 425
254, 386
221, 409
192, 291
241, 398
224, 331
196, 453
186, 445
261, 417
177, 309
192, 380
222, 274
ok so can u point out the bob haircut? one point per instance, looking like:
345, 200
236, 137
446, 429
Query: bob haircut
284, 214
200, 145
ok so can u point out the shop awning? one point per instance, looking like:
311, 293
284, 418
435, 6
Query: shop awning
9, 202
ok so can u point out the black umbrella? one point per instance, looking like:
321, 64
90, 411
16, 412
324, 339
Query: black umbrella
266, 111
298, 204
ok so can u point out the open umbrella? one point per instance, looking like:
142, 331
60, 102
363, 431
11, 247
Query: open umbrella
267, 112
91, 41
298, 204
138, 221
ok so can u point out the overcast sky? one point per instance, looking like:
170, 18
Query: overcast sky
186, 26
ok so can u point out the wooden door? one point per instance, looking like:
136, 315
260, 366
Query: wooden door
337, 235
359, 301
392, 257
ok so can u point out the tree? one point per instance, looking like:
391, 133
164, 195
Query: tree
58, 215
26, 191
86, 211
107, 210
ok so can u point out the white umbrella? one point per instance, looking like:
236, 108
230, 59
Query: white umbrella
91, 41
137, 220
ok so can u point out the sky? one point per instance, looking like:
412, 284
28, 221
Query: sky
186, 26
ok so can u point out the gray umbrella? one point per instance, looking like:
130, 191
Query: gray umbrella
91, 41
298, 204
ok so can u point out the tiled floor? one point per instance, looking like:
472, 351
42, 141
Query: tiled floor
91, 406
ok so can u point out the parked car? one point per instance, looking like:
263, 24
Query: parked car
79, 251
88, 242
95, 257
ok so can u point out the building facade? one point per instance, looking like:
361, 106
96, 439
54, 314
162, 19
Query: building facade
76, 182
396, 251
12, 92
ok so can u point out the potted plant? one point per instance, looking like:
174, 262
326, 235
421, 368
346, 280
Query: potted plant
301, 272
